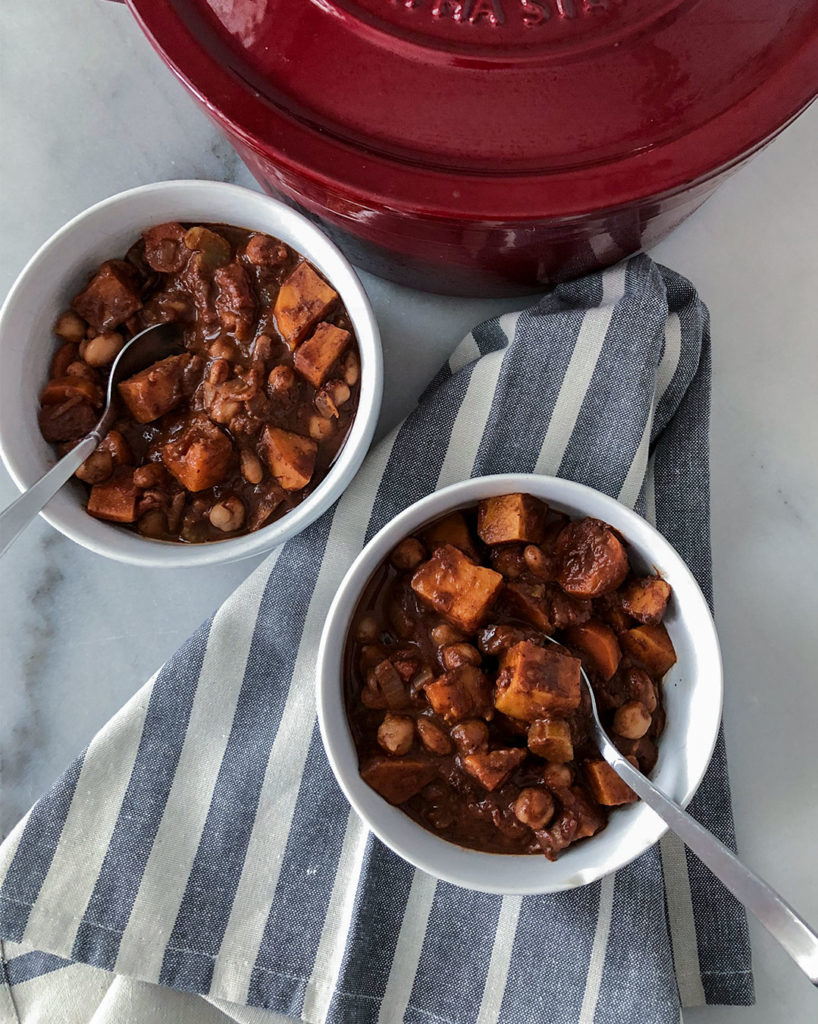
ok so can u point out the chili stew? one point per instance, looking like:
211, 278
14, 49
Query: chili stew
244, 424
465, 716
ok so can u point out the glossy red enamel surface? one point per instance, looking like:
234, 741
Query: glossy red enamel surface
499, 142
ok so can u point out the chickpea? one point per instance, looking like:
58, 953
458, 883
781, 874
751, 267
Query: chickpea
70, 327
251, 467
396, 734
119, 448
152, 524
351, 369
433, 738
508, 559
367, 630
557, 776
103, 349
80, 369
454, 655
494, 640
263, 347
539, 564
227, 515
534, 807
641, 687
441, 817
338, 391
446, 634
371, 655
408, 554
221, 348
324, 404
320, 428
471, 737
151, 475
632, 720
97, 467
219, 371
282, 383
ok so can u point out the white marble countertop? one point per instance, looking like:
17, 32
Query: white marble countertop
78, 634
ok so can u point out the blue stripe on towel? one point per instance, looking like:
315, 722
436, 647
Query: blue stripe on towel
163, 734
214, 878
34, 854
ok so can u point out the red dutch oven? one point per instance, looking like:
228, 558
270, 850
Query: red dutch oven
491, 146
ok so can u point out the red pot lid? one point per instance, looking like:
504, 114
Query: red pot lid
499, 109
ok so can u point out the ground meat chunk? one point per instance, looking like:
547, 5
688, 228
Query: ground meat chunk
110, 297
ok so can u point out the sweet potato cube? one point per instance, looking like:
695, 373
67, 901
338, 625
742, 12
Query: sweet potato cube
528, 601
302, 300
511, 517
397, 778
110, 297
462, 693
608, 789
315, 357
452, 529
199, 457
492, 769
290, 456
597, 647
115, 499
651, 647
61, 389
456, 588
155, 390
535, 682
646, 599
551, 738
592, 559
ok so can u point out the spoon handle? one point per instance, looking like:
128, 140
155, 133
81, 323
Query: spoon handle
19, 514
777, 916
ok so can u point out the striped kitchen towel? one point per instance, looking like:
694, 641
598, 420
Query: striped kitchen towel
201, 841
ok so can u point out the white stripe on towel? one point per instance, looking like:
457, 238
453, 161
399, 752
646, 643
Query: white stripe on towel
665, 372
472, 415
678, 896
497, 974
598, 950
408, 949
465, 353
580, 370
217, 692
279, 792
334, 935
89, 825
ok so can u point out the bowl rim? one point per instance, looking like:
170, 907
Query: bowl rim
172, 554
329, 681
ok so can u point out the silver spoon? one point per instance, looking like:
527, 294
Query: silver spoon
777, 916
142, 350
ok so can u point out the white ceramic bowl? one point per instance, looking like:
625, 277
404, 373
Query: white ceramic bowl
57, 272
692, 695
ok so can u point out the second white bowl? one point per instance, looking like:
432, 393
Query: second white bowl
692, 697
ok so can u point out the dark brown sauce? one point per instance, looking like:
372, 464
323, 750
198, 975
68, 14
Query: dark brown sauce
454, 805
172, 297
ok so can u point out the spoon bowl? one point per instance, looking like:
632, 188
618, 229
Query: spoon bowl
144, 349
